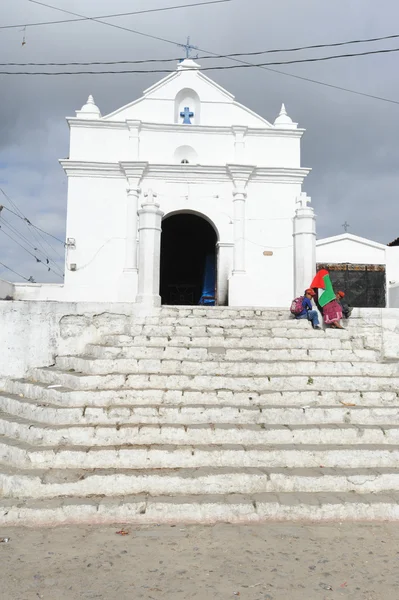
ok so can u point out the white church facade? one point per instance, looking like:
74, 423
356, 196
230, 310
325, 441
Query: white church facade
219, 181
185, 196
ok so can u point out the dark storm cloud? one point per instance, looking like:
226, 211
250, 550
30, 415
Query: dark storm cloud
350, 143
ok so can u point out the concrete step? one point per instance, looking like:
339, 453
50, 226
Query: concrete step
221, 312
358, 380
202, 323
20, 454
228, 354
53, 483
312, 395
107, 366
290, 328
201, 509
262, 343
200, 434
62, 414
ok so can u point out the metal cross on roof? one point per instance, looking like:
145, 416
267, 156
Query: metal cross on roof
346, 226
188, 47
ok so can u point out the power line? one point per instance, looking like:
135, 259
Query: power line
38, 260
26, 222
213, 56
112, 16
15, 231
214, 68
15, 272
96, 20
22, 216
238, 60
36, 234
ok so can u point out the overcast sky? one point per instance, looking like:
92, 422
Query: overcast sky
351, 141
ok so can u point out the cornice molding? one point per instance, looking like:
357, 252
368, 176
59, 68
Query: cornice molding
180, 128
81, 168
182, 173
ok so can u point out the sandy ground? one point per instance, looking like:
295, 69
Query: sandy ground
258, 562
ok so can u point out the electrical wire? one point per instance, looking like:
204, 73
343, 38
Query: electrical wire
96, 20
38, 260
36, 233
238, 60
214, 68
15, 231
113, 16
36, 236
15, 272
22, 216
213, 56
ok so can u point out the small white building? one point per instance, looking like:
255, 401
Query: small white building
367, 270
219, 180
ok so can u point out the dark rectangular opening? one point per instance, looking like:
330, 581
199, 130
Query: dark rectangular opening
364, 285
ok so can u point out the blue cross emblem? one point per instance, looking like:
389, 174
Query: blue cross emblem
186, 115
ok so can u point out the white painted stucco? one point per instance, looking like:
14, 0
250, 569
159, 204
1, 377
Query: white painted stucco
243, 176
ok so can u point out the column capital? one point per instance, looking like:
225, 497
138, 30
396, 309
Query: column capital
133, 191
240, 174
133, 126
239, 129
239, 190
134, 172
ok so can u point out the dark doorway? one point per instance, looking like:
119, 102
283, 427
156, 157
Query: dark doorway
188, 260
364, 285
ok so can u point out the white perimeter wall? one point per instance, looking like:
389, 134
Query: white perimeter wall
33, 333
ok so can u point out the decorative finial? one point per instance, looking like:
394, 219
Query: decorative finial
89, 110
345, 226
283, 120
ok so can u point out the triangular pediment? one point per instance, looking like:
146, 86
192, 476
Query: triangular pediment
349, 239
211, 104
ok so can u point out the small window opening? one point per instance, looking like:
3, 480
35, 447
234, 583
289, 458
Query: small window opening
184, 161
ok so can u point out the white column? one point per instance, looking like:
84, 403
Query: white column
132, 206
304, 245
150, 220
134, 172
239, 196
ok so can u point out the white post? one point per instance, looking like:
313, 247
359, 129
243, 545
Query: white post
134, 172
131, 229
150, 220
240, 175
304, 245
128, 281
239, 196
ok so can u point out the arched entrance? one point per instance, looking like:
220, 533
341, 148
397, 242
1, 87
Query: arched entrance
188, 260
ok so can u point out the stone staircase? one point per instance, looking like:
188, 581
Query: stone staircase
205, 415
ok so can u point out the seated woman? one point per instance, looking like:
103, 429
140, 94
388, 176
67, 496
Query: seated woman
332, 314
346, 309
